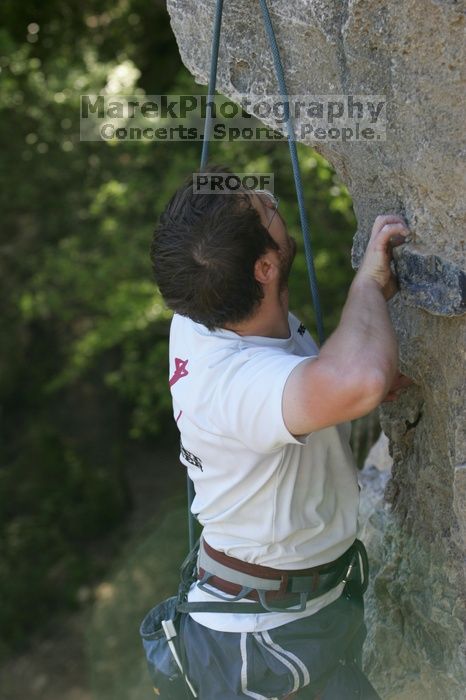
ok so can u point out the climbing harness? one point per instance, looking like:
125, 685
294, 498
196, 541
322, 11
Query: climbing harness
276, 590
160, 630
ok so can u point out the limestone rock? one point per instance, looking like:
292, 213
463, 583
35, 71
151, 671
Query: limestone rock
379, 455
373, 480
413, 53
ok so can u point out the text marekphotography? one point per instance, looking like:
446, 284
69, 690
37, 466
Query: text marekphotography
316, 118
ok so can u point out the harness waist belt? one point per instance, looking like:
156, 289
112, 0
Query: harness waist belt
262, 583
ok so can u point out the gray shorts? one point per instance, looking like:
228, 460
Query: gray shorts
318, 657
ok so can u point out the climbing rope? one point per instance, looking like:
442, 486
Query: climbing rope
212, 81
296, 173
290, 137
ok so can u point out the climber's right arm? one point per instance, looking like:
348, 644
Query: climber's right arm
358, 363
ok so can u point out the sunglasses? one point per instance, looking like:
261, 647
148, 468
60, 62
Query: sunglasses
272, 199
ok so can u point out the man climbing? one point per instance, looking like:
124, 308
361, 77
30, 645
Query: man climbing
264, 422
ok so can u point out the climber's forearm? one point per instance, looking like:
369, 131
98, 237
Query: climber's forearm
364, 343
357, 365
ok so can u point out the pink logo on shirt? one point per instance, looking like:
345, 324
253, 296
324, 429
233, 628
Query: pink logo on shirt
180, 371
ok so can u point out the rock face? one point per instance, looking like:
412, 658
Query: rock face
413, 53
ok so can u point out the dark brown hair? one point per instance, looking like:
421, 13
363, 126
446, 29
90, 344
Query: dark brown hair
203, 254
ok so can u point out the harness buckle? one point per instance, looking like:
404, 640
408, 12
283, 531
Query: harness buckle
245, 590
300, 607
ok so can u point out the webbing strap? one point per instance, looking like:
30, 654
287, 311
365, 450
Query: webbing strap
355, 560
246, 607
215, 568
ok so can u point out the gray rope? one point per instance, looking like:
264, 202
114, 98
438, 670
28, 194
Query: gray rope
204, 157
212, 81
296, 171
290, 138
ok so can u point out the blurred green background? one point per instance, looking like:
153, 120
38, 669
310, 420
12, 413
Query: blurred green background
83, 374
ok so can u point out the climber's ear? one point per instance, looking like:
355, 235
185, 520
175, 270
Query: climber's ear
267, 267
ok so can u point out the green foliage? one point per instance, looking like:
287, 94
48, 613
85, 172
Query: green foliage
79, 307
52, 506
145, 575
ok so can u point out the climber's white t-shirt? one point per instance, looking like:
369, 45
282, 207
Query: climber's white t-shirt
262, 495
